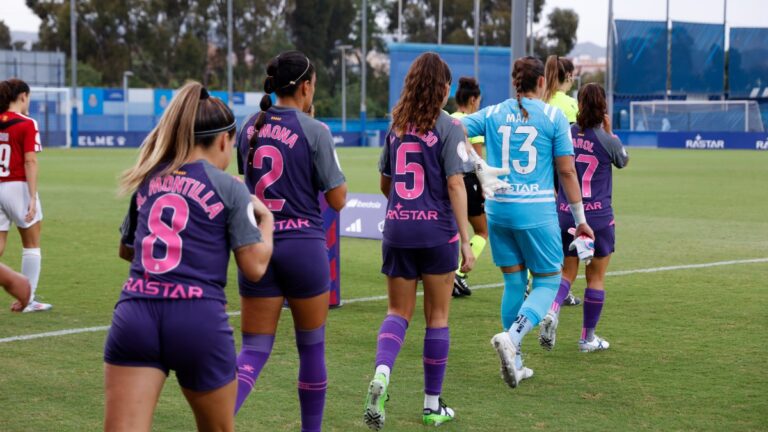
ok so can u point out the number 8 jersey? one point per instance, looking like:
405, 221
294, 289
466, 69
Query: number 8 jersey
419, 212
181, 227
292, 160
528, 147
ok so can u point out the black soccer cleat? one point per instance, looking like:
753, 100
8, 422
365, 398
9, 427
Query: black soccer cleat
460, 287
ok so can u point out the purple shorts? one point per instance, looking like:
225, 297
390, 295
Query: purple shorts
605, 240
412, 263
191, 337
299, 268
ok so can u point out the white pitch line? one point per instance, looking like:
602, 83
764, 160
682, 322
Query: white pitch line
383, 297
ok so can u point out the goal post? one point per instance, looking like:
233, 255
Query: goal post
51, 107
695, 116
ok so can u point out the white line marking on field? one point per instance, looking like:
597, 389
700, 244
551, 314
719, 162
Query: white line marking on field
383, 297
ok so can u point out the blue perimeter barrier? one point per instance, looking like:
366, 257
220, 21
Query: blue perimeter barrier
696, 141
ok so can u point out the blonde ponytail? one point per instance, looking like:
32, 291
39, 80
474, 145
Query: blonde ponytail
551, 76
171, 141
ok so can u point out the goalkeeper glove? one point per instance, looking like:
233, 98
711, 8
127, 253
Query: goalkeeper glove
585, 246
489, 176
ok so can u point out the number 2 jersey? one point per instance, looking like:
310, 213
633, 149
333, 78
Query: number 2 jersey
419, 212
528, 147
292, 161
18, 135
182, 227
596, 153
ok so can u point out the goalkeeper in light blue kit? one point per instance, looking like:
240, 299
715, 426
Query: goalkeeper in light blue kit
524, 137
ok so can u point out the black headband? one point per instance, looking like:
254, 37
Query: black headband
212, 132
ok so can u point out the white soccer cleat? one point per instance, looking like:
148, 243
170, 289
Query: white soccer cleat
507, 352
36, 306
596, 344
548, 331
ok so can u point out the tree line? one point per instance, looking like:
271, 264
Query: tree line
166, 42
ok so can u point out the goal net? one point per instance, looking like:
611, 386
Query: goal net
696, 116
52, 109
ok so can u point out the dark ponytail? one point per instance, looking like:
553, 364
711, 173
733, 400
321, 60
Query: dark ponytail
285, 73
525, 76
10, 90
468, 88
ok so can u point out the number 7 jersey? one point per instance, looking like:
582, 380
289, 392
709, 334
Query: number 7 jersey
528, 147
292, 160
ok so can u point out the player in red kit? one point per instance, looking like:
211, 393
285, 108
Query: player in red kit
19, 202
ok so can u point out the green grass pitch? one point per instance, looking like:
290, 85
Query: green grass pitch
687, 346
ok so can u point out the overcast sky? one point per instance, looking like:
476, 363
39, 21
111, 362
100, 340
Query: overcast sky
592, 13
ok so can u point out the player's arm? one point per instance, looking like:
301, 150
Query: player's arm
566, 171
612, 144
454, 156
31, 147
253, 258
128, 231
475, 123
385, 167
328, 168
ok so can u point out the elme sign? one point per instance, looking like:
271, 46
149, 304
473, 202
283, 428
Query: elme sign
363, 216
134, 139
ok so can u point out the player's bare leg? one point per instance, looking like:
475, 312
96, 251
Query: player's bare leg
3, 241
131, 394
213, 409
16, 285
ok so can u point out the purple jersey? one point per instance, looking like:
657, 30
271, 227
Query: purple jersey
292, 160
182, 227
419, 212
595, 152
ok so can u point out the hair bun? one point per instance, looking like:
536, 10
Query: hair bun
468, 82
266, 102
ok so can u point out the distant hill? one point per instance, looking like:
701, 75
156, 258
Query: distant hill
28, 37
587, 48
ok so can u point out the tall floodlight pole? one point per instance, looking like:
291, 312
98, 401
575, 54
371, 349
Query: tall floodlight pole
343, 49
400, 21
477, 40
517, 37
230, 59
609, 61
126, 75
73, 39
363, 70
725, 22
440, 23
530, 26
668, 83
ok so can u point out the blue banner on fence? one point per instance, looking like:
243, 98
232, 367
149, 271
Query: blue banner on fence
696, 140
114, 95
162, 99
698, 57
363, 216
93, 101
748, 62
640, 65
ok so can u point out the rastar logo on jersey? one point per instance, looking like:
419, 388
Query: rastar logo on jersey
356, 203
700, 143
759, 144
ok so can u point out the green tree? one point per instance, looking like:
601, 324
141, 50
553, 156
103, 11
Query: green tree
5, 36
561, 33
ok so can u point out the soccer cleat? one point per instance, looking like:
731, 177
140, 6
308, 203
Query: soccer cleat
374, 402
596, 344
507, 352
571, 300
460, 287
443, 414
36, 306
548, 331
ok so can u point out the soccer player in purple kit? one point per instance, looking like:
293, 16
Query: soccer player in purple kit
597, 149
288, 159
422, 174
186, 215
